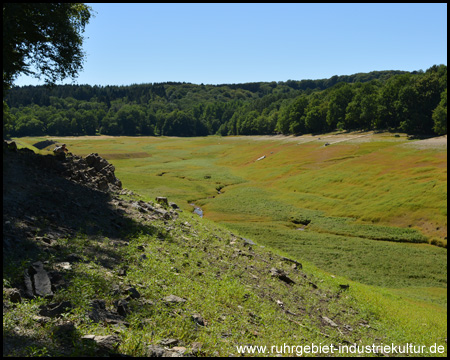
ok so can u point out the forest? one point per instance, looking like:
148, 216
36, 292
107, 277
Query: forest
411, 102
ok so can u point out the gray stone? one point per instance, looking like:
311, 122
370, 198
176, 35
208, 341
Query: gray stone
169, 342
13, 295
329, 321
248, 242
155, 351
172, 299
108, 343
37, 282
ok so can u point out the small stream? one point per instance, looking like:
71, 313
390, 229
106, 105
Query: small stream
197, 210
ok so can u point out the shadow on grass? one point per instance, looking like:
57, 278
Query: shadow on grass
41, 207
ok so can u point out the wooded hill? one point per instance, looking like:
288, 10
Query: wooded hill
411, 102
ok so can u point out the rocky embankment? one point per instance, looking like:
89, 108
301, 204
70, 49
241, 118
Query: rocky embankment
49, 197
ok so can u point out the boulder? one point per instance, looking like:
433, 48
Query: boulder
37, 281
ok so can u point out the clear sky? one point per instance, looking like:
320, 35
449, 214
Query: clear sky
237, 43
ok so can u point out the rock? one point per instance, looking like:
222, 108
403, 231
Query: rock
159, 351
13, 295
198, 319
108, 343
329, 321
64, 265
54, 310
64, 333
348, 328
155, 351
280, 274
122, 272
37, 282
132, 292
195, 348
172, 299
174, 206
248, 242
169, 342
122, 307
10, 145
295, 262
42, 320
163, 213
99, 313
138, 207
179, 349
93, 171
162, 200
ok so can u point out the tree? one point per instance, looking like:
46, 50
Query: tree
292, 118
340, 97
440, 115
361, 112
47, 36
388, 100
316, 118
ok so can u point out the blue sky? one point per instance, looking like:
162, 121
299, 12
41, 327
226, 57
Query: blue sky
237, 43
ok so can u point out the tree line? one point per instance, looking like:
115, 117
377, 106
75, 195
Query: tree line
411, 102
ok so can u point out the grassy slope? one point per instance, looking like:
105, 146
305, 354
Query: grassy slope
333, 188
224, 281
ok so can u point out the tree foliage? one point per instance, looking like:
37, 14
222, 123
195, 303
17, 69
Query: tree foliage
45, 36
413, 102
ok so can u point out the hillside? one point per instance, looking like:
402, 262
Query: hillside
90, 269
413, 102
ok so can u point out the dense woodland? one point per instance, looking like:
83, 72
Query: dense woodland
411, 102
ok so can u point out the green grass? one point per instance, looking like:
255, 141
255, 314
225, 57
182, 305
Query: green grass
194, 262
235, 296
370, 207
